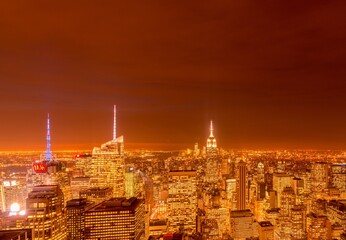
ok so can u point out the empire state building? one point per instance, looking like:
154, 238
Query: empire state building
211, 142
212, 158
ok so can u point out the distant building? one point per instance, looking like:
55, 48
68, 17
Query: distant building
79, 184
97, 194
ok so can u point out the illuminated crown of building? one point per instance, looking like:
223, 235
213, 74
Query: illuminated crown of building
114, 145
211, 142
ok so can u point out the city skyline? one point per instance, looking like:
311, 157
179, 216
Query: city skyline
268, 76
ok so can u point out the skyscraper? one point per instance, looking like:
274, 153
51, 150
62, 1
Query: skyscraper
48, 171
241, 186
45, 212
212, 162
107, 164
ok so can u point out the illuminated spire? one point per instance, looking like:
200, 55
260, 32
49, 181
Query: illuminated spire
211, 129
115, 124
48, 151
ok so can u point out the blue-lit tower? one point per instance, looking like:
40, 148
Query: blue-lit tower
48, 154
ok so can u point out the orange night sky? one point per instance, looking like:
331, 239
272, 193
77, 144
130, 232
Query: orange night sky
270, 74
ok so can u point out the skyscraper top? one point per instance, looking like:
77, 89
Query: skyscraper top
48, 155
211, 129
211, 141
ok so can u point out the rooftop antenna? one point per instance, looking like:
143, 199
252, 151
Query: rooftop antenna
48, 151
211, 129
115, 124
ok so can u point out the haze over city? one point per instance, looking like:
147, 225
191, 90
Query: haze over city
270, 75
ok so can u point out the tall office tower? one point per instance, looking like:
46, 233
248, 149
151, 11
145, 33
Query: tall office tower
318, 227
338, 174
280, 181
287, 203
108, 163
182, 201
133, 183
298, 222
242, 224
265, 230
45, 212
97, 194
116, 218
319, 177
213, 161
75, 218
241, 186
48, 171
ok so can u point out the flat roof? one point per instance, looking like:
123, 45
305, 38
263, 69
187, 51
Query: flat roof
265, 224
117, 204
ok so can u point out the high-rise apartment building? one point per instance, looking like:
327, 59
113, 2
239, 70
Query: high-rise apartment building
182, 201
45, 213
116, 218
